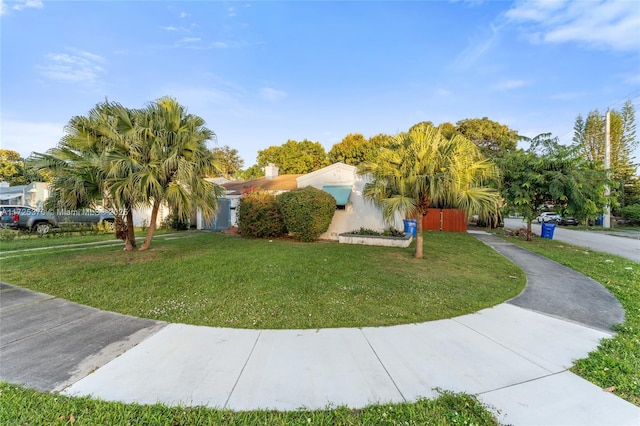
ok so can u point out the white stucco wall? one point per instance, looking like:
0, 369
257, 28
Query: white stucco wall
142, 215
358, 212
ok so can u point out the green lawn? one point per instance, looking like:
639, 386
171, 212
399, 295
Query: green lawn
220, 280
214, 279
11, 240
616, 362
28, 407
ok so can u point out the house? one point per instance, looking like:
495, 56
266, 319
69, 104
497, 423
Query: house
340, 180
352, 210
226, 216
32, 195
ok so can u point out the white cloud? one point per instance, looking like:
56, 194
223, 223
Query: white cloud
26, 137
231, 12
509, 84
77, 66
170, 28
191, 39
19, 5
183, 15
478, 47
611, 24
271, 94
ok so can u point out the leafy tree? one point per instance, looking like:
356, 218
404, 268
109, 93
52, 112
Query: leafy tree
493, 138
447, 129
355, 149
421, 168
551, 173
295, 157
15, 171
227, 161
252, 172
420, 125
590, 134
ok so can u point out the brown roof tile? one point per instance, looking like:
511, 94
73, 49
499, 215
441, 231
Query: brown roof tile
280, 183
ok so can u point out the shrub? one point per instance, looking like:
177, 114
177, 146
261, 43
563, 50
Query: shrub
631, 213
389, 232
174, 222
259, 216
364, 231
307, 212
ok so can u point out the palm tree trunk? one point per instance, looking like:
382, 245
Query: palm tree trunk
130, 241
152, 226
419, 236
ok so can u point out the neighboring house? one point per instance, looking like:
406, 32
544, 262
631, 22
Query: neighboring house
227, 216
340, 180
32, 195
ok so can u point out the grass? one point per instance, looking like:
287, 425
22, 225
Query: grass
11, 240
29, 407
615, 364
220, 280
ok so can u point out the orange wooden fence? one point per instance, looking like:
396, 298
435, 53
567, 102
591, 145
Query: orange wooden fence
448, 220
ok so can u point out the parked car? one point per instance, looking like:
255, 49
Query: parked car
548, 217
567, 220
23, 217
41, 221
85, 217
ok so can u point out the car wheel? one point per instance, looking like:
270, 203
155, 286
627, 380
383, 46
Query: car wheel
42, 228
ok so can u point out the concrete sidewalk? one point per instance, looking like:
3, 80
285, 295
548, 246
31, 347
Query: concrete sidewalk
514, 356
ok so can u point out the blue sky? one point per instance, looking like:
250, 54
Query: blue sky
261, 73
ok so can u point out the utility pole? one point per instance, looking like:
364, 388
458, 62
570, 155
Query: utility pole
606, 218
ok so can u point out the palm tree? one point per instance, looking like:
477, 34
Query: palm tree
82, 165
422, 168
173, 160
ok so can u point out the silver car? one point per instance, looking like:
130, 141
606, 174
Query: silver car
548, 217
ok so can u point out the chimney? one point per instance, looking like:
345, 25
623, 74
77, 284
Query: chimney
270, 171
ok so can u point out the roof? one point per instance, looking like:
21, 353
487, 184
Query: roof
279, 183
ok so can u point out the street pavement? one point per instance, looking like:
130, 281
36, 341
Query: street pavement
514, 356
628, 247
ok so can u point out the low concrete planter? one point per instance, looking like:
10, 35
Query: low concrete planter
375, 240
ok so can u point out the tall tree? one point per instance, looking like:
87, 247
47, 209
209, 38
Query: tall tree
174, 160
589, 136
493, 138
295, 157
86, 163
355, 148
129, 158
227, 161
421, 167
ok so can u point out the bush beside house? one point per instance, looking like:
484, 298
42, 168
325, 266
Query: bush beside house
307, 212
259, 216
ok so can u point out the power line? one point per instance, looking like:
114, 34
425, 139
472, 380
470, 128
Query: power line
623, 99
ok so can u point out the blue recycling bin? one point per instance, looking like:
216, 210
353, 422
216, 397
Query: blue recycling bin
410, 226
547, 230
